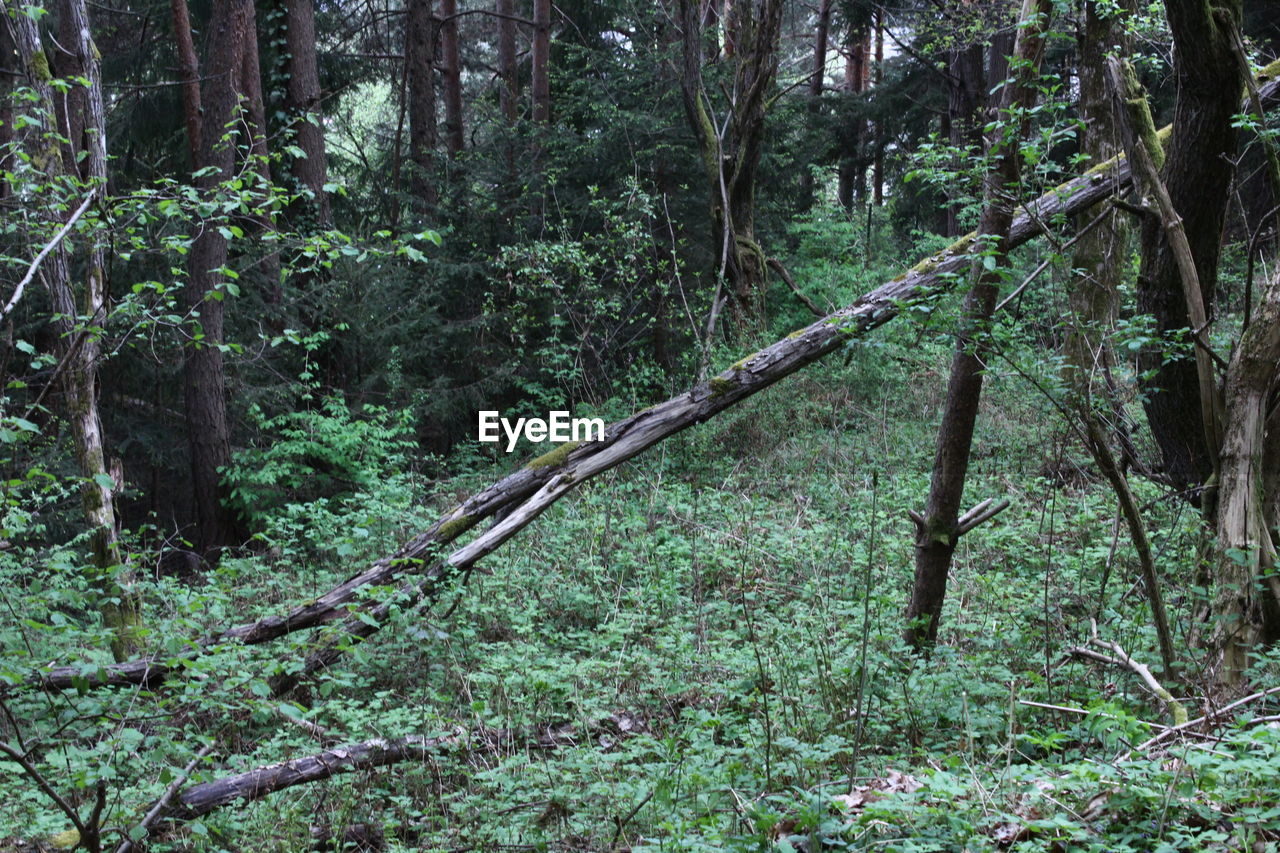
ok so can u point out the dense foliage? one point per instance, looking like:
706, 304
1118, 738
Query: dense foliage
305, 264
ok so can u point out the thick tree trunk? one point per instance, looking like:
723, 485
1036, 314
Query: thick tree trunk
965, 102
820, 50
120, 608
554, 474
303, 94
419, 52
1247, 603
1198, 173
939, 528
208, 432
189, 74
451, 77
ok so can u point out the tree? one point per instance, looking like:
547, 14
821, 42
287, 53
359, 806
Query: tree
303, 104
83, 114
730, 145
451, 77
940, 526
1198, 173
419, 57
208, 432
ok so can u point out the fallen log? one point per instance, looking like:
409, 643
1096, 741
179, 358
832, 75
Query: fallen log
554, 474
570, 464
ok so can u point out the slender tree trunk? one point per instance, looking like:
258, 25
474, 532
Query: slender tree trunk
816, 83
189, 74
541, 61
852, 172
820, 49
509, 93
208, 432
938, 529
877, 165
120, 608
303, 93
1198, 173
451, 78
419, 53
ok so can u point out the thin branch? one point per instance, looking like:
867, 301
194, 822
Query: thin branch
43, 784
44, 253
777, 267
162, 804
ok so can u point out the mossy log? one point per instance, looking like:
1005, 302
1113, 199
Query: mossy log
526, 493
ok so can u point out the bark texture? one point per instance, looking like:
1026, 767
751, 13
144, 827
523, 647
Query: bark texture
303, 98
1198, 173
730, 147
451, 77
1248, 588
208, 433
419, 53
189, 74
78, 344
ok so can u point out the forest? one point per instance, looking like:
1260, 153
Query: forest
390, 457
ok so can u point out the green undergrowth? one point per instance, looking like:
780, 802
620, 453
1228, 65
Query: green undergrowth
700, 650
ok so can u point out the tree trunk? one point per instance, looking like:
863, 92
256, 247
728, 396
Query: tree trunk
120, 608
965, 100
820, 50
303, 94
877, 164
419, 51
730, 161
852, 171
208, 433
509, 91
451, 77
541, 61
1198, 173
189, 74
1247, 604
939, 528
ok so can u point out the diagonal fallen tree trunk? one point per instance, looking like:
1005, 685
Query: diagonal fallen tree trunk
524, 494
554, 474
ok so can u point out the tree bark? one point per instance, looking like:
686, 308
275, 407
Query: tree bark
567, 466
731, 159
852, 172
509, 91
303, 94
1247, 604
189, 74
451, 78
820, 50
78, 342
208, 432
1198, 173
419, 51
938, 530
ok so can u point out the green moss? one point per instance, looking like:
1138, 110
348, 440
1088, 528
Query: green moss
451, 530
720, 387
40, 67
554, 457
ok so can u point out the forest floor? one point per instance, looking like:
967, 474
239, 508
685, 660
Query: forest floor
702, 650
